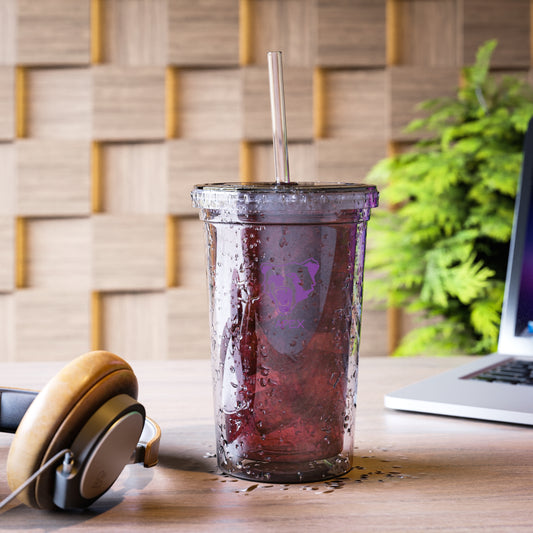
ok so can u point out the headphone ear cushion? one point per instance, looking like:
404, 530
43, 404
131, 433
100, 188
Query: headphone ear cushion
57, 414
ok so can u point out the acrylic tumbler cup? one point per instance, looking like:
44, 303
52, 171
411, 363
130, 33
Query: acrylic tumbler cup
285, 273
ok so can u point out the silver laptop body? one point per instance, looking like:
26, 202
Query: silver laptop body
466, 391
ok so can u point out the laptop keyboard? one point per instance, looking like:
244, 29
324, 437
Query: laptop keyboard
512, 371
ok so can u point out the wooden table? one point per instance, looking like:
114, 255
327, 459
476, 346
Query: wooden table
411, 473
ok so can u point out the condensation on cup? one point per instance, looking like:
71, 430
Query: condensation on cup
285, 274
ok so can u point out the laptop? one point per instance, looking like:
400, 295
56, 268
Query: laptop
499, 386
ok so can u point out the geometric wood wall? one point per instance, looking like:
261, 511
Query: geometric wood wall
110, 110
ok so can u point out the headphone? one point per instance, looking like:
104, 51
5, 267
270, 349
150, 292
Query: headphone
87, 415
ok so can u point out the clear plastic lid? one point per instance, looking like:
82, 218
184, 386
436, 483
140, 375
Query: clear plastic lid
293, 202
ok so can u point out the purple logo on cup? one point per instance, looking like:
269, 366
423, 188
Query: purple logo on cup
289, 283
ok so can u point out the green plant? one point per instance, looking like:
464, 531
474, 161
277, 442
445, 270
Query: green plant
441, 249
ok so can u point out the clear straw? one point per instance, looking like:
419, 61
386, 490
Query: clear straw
279, 126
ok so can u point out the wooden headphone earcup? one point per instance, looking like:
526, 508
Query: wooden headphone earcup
58, 413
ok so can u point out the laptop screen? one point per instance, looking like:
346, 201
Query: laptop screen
516, 329
524, 311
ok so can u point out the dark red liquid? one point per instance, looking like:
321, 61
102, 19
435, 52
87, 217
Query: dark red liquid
285, 339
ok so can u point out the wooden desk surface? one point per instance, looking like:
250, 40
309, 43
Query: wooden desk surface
412, 472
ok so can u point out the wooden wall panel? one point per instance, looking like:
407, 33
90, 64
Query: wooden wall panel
134, 178
412, 85
7, 253
7, 178
507, 21
210, 104
58, 253
355, 102
136, 324
58, 103
53, 177
427, 33
298, 84
301, 161
190, 250
287, 25
8, 30
128, 252
109, 116
7, 103
374, 325
7, 327
351, 33
347, 159
53, 32
51, 324
188, 323
135, 32
192, 162
203, 32
129, 103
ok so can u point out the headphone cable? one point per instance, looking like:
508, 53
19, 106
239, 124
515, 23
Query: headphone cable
67, 462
